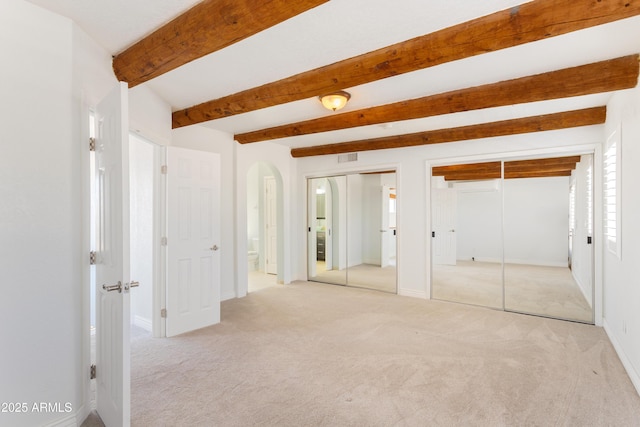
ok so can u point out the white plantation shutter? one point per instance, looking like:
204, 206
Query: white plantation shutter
611, 179
590, 198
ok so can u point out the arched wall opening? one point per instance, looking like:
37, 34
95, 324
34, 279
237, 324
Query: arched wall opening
265, 220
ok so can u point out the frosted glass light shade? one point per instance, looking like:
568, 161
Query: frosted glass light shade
336, 100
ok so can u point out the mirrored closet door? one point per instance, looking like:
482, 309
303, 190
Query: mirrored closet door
352, 230
548, 251
467, 234
515, 235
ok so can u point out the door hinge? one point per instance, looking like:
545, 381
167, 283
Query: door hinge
92, 144
92, 372
163, 169
589, 240
92, 258
163, 313
163, 241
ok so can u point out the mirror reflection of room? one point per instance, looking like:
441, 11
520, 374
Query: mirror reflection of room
352, 230
520, 243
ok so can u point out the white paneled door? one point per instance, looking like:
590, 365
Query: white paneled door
193, 240
112, 259
444, 203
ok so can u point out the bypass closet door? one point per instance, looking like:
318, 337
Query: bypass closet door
327, 236
352, 230
541, 214
523, 231
466, 212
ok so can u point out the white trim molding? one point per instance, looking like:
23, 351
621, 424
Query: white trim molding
628, 366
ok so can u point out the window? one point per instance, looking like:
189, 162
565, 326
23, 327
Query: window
572, 206
611, 178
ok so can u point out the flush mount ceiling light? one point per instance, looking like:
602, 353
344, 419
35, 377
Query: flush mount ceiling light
335, 100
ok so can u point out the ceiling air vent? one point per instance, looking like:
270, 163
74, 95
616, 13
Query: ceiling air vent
349, 157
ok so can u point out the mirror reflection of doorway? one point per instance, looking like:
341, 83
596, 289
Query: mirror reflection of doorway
352, 230
515, 235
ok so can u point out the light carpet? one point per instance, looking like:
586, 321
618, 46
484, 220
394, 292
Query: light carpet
547, 291
310, 354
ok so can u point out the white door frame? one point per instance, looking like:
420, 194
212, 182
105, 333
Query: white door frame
159, 326
158, 256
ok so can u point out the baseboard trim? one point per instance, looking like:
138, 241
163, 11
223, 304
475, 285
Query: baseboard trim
628, 366
227, 296
67, 421
143, 323
412, 293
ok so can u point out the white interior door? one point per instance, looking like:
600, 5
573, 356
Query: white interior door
112, 262
271, 225
444, 202
193, 236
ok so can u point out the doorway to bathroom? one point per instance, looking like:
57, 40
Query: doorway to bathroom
262, 226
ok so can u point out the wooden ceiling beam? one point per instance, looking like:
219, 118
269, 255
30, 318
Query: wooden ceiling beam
604, 76
568, 119
472, 176
536, 174
205, 28
549, 168
546, 161
529, 22
466, 167
479, 176
553, 166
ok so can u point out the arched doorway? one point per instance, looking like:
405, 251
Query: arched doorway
264, 226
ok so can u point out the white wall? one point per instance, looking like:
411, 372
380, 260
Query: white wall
141, 176
536, 221
621, 283
479, 222
149, 115
45, 83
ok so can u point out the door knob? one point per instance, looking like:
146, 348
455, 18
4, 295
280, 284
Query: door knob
132, 284
111, 288
214, 248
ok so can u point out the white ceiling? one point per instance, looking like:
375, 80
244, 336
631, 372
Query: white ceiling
341, 29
